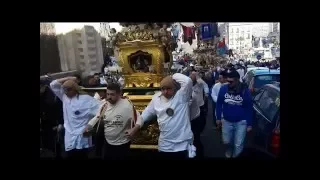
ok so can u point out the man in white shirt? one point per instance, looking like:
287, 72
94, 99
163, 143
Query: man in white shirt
196, 121
78, 108
202, 99
171, 106
240, 70
215, 90
118, 116
101, 95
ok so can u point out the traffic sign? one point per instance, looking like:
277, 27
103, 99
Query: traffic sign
259, 57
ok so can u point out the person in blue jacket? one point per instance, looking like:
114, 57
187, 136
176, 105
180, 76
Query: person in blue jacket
234, 102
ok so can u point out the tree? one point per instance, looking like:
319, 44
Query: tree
47, 28
49, 53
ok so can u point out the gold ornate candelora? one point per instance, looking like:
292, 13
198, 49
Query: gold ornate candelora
141, 53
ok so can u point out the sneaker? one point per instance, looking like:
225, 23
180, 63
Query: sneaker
228, 155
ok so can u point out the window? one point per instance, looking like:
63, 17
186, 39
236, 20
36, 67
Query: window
267, 103
90, 41
91, 48
248, 36
80, 49
93, 56
80, 42
90, 34
237, 30
261, 80
258, 95
82, 56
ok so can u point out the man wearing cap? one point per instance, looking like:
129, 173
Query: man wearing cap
78, 108
235, 103
171, 106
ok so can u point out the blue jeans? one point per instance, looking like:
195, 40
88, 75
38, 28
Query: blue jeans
233, 135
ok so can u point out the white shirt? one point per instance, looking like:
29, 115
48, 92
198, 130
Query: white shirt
121, 82
203, 87
194, 102
97, 96
76, 113
215, 91
175, 130
117, 119
241, 73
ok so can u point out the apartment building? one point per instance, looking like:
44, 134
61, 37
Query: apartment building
261, 29
276, 27
240, 37
81, 50
224, 31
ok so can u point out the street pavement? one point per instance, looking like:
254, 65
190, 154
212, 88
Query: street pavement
210, 137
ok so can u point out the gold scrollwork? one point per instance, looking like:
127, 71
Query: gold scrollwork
139, 79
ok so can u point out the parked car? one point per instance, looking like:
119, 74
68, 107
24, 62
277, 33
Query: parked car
257, 78
250, 69
264, 140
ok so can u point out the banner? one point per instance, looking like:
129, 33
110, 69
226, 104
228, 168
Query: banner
206, 31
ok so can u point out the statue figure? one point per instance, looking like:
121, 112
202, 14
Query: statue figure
137, 33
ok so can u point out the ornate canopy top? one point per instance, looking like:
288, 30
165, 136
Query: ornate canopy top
151, 24
144, 32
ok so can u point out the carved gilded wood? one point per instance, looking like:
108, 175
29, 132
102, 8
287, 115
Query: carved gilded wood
141, 79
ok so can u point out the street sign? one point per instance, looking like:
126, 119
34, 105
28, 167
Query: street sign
259, 57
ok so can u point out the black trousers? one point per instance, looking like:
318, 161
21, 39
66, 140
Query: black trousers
203, 116
214, 113
180, 155
119, 152
78, 154
197, 127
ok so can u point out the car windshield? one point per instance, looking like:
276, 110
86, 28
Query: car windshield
261, 80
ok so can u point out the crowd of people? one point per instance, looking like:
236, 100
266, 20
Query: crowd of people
110, 121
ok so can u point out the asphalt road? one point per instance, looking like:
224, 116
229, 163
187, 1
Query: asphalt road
210, 137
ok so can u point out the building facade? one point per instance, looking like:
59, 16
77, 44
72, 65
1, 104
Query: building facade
276, 27
81, 50
261, 29
224, 31
105, 30
240, 37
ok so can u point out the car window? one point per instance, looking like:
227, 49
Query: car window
269, 103
261, 80
258, 96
